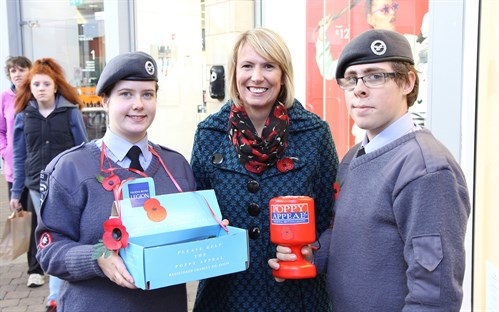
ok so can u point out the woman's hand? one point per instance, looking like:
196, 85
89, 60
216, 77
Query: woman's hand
15, 205
114, 268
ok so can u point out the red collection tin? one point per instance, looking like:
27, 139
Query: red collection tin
292, 224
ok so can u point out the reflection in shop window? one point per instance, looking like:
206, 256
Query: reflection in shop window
332, 25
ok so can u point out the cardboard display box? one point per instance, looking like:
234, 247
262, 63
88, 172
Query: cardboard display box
180, 241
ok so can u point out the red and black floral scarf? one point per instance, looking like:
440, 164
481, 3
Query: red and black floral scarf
259, 153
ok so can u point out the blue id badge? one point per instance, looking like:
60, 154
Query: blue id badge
138, 191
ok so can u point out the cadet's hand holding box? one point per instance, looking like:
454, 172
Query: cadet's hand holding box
175, 238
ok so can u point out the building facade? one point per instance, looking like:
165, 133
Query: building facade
191, 38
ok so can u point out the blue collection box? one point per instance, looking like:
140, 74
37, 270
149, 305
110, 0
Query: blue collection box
186, 245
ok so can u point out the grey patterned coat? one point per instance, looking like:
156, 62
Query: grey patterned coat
243, 198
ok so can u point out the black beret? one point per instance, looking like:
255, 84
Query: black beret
127, 66
374, 46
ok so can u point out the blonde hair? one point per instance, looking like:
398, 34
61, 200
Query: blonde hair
269, 45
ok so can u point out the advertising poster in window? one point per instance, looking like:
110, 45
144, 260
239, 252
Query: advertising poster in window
331, 24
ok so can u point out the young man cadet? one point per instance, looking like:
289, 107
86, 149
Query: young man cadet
397, 243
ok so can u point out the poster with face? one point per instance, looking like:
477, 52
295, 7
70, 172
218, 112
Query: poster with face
331, 24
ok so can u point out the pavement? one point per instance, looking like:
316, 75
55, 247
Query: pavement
15, 296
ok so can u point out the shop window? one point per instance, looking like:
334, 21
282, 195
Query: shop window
332, 24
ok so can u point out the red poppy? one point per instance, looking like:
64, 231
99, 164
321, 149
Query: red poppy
336, 188
254, 166
115, 234
155, 212
151, 203
285, 164
110, 182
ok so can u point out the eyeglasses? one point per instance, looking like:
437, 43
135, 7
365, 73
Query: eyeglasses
386, 8
371, 80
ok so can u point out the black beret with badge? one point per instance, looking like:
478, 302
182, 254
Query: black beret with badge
127, 66
374, 46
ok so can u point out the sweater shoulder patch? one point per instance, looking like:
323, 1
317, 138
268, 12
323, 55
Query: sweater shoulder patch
45, 174
50, 167
435, 154
164, 148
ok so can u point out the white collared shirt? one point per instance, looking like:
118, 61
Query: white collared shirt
117, 148
399, 128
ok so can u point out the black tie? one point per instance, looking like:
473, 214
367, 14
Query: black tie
361, 151
134, 154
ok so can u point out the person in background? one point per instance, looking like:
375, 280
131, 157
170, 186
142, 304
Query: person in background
76, 203
380, 14
397, 243
48, 122
16, 69
260, 145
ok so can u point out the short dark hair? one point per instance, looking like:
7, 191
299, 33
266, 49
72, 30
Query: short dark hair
402, 69
13, 61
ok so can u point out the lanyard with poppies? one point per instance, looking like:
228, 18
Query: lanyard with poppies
115, 235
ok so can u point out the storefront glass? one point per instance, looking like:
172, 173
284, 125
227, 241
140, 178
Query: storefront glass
72, 33
331, 25
171, 31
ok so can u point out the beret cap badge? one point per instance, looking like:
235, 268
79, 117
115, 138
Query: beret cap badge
378, 47
149, 68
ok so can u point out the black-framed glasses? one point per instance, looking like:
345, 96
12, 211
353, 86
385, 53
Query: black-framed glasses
371, 80
386, 8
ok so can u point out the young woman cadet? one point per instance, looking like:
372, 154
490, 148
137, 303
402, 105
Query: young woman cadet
263, 144
75, 204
